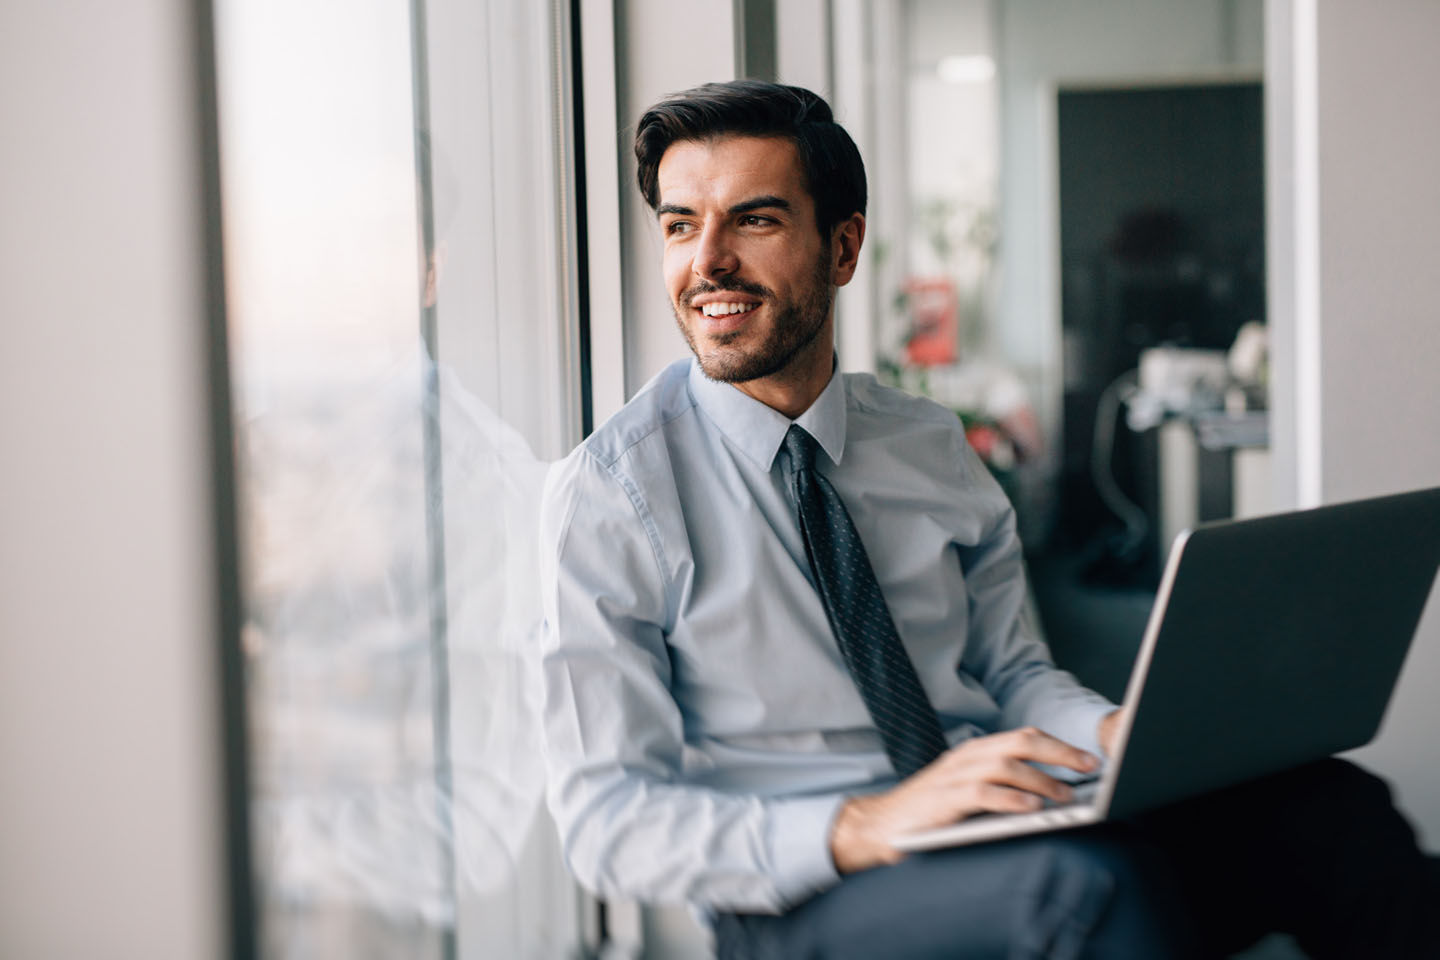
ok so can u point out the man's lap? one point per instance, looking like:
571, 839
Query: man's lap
1043, 896
1203, 878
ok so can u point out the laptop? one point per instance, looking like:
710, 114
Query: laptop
1273, 642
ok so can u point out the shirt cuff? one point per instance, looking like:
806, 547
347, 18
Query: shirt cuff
1079, 727
799, 839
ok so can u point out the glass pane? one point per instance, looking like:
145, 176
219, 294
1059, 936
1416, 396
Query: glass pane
402, 363
497, 301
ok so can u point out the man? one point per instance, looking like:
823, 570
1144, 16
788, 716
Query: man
784, 624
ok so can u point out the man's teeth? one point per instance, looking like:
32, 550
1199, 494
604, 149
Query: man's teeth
721, 309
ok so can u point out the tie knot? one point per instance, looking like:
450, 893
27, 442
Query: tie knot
801, 447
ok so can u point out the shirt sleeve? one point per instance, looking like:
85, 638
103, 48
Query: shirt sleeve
630, 826
1002, 650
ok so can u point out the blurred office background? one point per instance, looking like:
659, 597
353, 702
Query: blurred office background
301, 297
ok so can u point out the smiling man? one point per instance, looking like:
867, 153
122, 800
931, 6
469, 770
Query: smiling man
738, 200
784, 624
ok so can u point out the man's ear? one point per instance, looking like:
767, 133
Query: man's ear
845, 242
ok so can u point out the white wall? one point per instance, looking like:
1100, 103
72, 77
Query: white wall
1047, 43
109, 749
802, 50
1379, 323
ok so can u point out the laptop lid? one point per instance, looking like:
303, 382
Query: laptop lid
1275, 641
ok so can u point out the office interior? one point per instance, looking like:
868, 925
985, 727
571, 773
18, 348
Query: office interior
301, 299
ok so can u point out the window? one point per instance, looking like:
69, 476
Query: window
405, 358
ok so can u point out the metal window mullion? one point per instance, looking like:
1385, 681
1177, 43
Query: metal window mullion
438, 610
243, 917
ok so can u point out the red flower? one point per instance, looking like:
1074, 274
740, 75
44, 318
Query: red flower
983, 439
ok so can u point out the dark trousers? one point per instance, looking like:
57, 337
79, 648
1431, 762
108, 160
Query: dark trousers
1318, 852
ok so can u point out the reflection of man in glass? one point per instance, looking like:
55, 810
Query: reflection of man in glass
394, 778
732, 719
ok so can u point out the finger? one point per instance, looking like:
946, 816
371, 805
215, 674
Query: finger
1038, 746
993, 798
1020, 775
1008, 771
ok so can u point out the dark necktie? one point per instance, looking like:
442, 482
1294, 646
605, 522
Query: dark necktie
860, 619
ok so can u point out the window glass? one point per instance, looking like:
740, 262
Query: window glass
404, 366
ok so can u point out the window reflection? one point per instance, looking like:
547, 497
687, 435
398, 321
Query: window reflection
388, 473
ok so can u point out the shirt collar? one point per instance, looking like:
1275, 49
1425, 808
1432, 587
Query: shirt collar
759, 430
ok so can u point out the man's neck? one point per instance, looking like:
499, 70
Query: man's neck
794, 389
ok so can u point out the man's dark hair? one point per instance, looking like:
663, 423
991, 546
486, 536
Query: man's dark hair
834, 172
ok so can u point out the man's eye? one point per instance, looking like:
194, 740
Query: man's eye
677, 226
754, 220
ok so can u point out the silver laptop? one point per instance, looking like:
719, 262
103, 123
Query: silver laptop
1273, 642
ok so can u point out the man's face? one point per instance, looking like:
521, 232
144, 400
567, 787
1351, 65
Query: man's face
749, 277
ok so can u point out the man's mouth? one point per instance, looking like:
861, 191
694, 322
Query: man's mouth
725, 309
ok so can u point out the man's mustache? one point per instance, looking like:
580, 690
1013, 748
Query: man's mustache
732, 284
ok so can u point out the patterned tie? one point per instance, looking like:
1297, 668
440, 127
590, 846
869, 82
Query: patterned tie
860, 619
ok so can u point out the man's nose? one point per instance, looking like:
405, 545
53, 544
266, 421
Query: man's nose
715, 255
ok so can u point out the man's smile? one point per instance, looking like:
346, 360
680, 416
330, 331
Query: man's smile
720, 309
722, 312
717, 322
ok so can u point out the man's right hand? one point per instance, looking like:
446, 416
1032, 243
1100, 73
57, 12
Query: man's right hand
982, 775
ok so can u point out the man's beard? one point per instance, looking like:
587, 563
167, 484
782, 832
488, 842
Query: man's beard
796, 325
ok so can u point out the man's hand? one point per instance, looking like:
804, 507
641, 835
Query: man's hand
985, 774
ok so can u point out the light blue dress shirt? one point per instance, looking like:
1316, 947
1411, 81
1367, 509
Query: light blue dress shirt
701, 725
